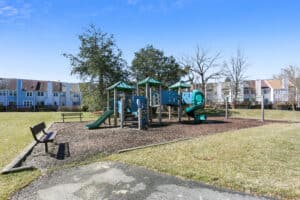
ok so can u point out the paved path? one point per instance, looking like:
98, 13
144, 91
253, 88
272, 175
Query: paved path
109, 181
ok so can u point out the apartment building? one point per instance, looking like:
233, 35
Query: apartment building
274, 91
22, 93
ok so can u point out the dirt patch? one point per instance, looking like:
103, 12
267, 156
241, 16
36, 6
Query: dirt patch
75, 142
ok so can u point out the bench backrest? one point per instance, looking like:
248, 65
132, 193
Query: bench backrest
37, 129
71, 114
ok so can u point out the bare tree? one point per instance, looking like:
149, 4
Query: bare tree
202, 67
188, 73
292, 75
235, 70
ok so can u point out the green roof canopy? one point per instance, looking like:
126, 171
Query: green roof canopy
121, 86
179, 84
150, 81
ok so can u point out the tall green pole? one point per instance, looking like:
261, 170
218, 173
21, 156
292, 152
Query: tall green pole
180, 106
160, 101
108, 105
115, 107
122, 117
148, 99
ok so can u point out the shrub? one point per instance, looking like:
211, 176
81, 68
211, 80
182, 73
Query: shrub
2, 108
69, 109
243, 105
282, 106
85, 108
25, 109
46, 108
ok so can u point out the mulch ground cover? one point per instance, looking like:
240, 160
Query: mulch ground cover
75, 143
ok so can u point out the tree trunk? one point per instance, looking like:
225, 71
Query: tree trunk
203, 88
203, 84
101, 90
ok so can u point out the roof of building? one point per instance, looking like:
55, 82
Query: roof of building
34, 85
10, 84
264, 84
274, 83
28, 85
42, 86
56, 86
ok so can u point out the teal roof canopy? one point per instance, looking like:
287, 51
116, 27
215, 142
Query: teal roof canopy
179, 84
150, 81
121, 86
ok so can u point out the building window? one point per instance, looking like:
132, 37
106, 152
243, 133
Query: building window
27, 103
2, 93
40, 94
12, 93
55, 94
12, 103
265, 91
29, 94
246, 91
76, 104
76, 95
41, 103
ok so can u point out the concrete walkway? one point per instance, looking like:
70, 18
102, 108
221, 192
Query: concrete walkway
118, 181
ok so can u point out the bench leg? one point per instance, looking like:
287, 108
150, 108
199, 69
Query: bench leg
46, 147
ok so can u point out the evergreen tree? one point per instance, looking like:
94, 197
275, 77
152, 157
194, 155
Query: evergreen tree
152, 62
99, 63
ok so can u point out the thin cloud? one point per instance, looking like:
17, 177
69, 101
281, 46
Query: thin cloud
8, 11
13, 11
132, 2
156, 5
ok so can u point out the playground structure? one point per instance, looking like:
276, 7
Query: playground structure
136, 104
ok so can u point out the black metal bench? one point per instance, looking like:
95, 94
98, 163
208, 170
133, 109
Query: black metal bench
45, 138
71, 115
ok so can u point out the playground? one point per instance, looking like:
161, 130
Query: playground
142, 104
82, 143
134, 118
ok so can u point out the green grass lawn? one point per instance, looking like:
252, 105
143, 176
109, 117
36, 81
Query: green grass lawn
14, 137
269, 114
262, 160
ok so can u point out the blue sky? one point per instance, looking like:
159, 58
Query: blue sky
34, 33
